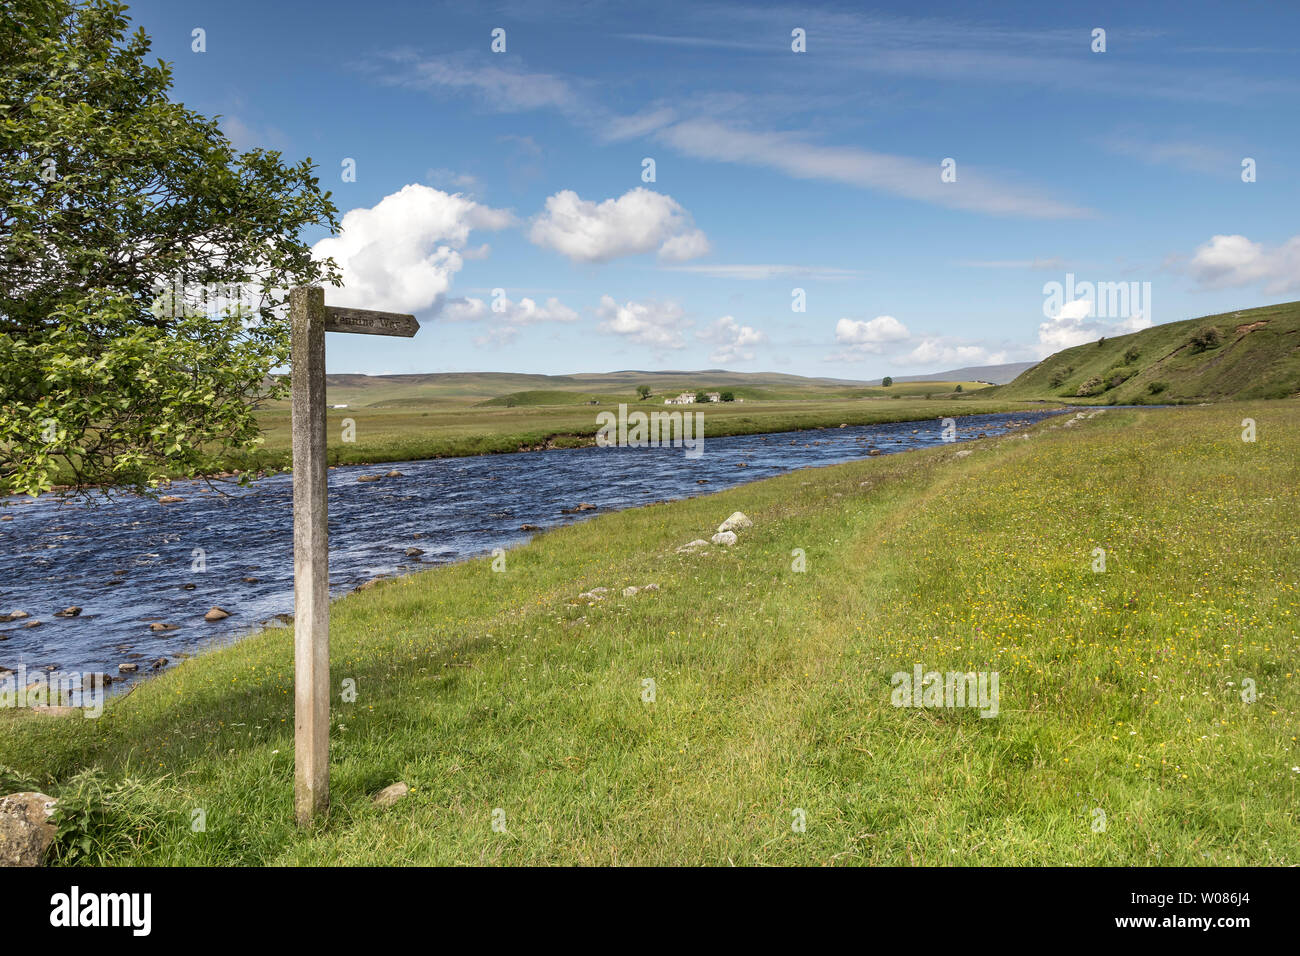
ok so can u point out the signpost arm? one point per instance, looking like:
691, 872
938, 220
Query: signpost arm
311, 588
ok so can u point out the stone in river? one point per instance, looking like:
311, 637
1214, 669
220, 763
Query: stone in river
68, 612
169, 500
162, 626
128, 668
529, 527
216, 614
413, 552
394, 474
367, 477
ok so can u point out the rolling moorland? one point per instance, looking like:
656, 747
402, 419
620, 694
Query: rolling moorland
405, 418
1253, 353
1123, 736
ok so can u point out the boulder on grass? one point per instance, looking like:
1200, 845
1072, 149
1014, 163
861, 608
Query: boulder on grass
736, 522
25, 828
727, 538
391, 794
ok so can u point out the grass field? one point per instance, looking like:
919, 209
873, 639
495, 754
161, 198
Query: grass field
1121, 692
407, 432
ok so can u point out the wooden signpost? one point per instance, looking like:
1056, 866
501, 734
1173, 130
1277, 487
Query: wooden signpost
311, 319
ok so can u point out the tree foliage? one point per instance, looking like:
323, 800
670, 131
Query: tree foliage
144, 262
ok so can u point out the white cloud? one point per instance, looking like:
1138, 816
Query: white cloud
400, 255
939, 353
1236, 261
734, 341
656, 324
861, 336
464, 310
637, 222
853, 166
508, 317
1072, 326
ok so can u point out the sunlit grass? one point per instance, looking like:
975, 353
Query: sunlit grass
1120, 691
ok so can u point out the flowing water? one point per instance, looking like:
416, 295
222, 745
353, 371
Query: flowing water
129, 562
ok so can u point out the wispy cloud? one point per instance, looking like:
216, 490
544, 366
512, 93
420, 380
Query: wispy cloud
756, 272
850, 165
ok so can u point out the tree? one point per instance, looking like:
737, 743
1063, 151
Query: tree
957, 389
144, 264
728, 396
643, 392
701, 397
1207, 338
886, 381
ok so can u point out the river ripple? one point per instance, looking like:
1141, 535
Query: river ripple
125, 561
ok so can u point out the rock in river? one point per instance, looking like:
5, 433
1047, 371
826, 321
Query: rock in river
216, 614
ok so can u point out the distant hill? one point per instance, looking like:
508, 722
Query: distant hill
996, 374
510, 388
1254, 353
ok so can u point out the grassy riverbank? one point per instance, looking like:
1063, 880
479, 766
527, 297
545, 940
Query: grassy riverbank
1120, 692
411, 433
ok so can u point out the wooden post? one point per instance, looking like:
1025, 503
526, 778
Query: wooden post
310, 320
311, 574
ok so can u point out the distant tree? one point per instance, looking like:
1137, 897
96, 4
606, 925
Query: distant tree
1131, 355
1101, 341
886, 381
728, 397
957, 389
1206, 339
123, 215
701, 397
643, 392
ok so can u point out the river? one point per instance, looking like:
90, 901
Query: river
129, 562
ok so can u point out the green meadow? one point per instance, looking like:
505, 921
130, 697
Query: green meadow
741, 712
412, 429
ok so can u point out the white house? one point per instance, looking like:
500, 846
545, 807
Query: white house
685, 398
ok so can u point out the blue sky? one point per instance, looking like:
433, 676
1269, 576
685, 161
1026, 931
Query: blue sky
774, 170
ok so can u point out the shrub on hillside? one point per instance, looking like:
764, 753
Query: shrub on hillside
1090, 387
1131, 355
1118, 376
1206, 339
1155, 388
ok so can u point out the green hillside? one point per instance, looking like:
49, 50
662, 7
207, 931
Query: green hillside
1254, 353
